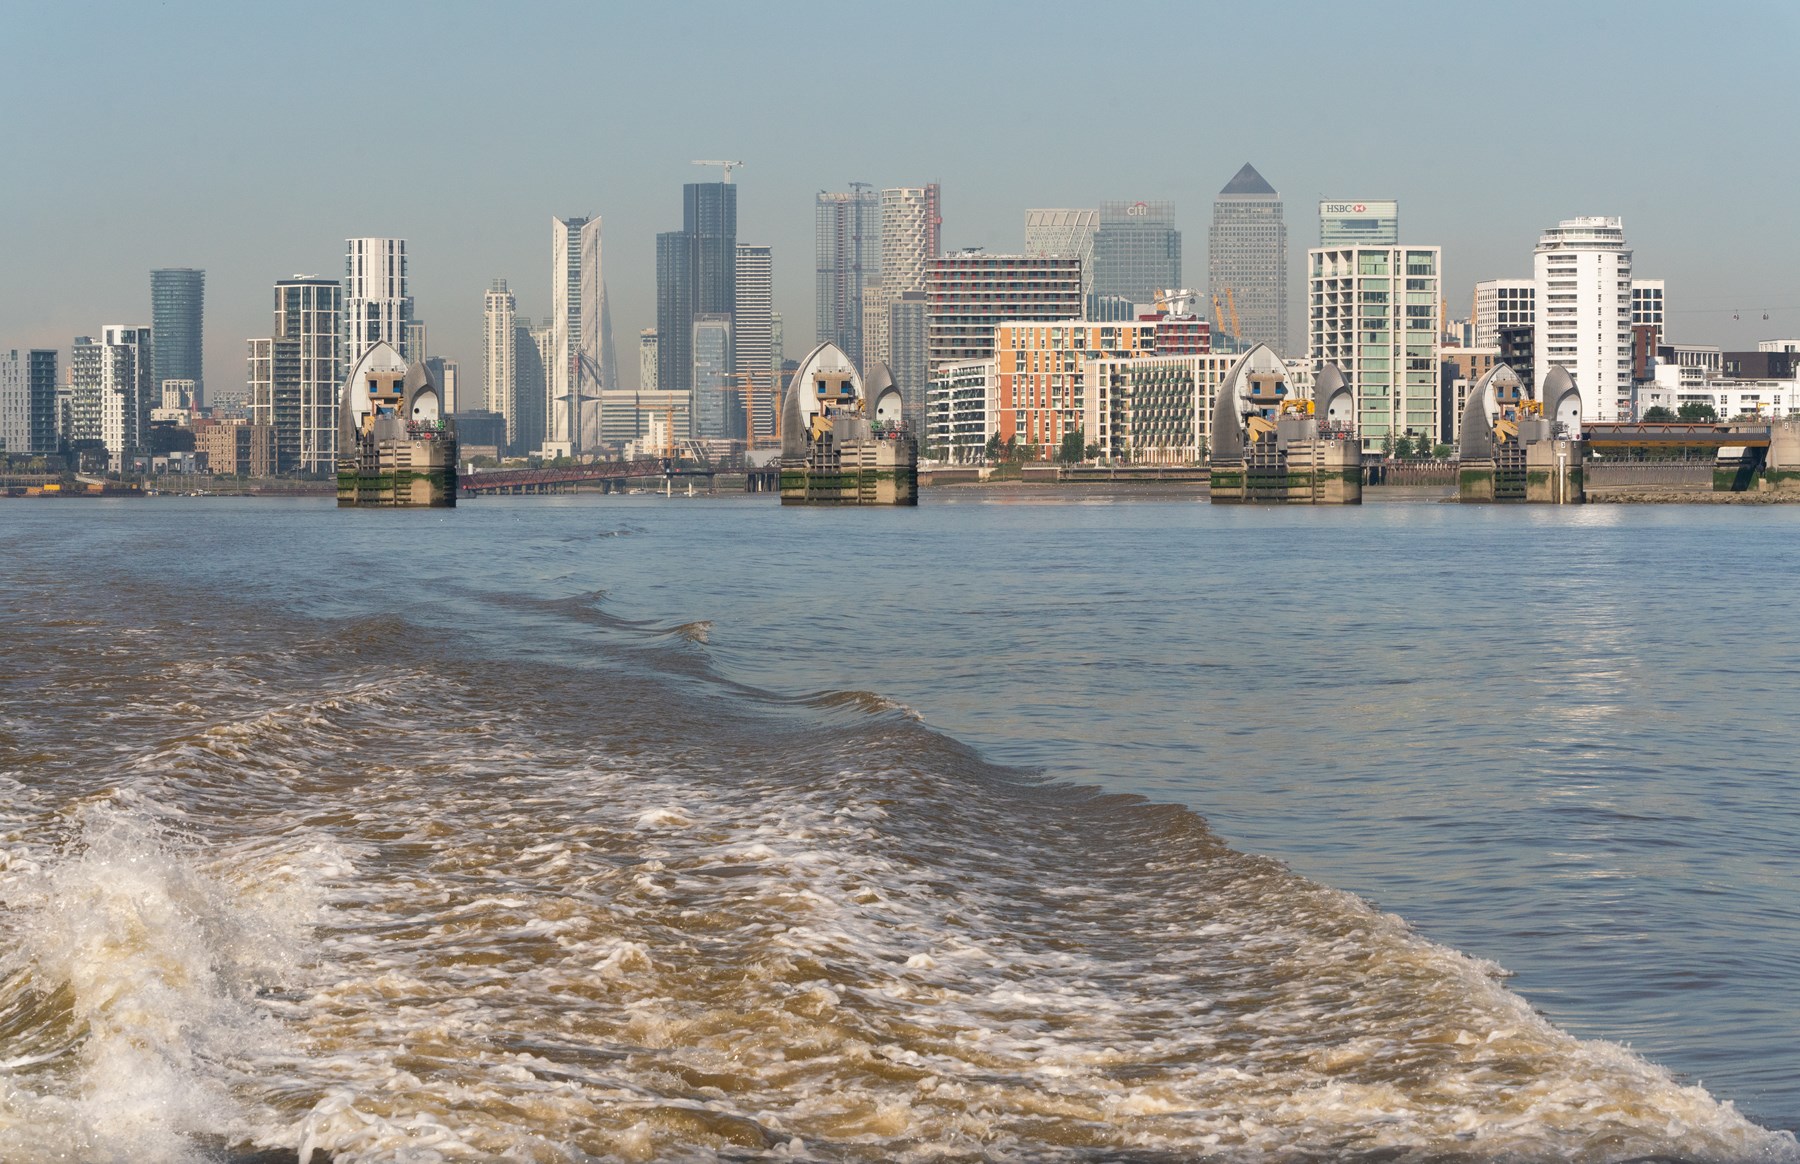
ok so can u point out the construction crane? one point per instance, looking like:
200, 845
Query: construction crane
751, 390
727, 166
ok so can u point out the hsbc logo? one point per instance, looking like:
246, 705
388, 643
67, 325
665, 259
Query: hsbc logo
1376, 208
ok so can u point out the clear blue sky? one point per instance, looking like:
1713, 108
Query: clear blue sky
251, 139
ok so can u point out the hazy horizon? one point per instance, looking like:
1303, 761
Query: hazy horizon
251, 143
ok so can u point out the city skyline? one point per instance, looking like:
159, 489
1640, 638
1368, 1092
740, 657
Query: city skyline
201, 203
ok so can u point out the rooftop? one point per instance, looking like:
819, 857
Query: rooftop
1248, 181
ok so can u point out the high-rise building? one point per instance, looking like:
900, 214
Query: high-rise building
499, 357
416, 348
647, 360
753, 350
911, 225
696, 274
1247, 265
875, 322
28, 422
15, 403
1065, 232
1137, 253
1373, 312
709, 215
1503, 303
309, 314
1518, 347
377, 307
582, 362
1583, 272
110, 396
533, 351
909, 348
713, 394
1647, 307
177, 328
969, 294
46, 423
447, 375
1370, 223
847, 234
272, 381
81, 424
674, 310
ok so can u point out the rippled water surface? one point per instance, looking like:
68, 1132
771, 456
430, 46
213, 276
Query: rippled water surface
1013, 827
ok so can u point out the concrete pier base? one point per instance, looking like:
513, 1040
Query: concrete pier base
1553, 472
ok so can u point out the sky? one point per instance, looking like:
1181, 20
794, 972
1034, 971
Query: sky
252, 139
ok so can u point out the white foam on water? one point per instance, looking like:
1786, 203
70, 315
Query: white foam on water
427, 931
138, 964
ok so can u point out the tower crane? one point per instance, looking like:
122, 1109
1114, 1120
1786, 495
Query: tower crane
726, 166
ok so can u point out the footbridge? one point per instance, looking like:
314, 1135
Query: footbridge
1622, 436
607, 476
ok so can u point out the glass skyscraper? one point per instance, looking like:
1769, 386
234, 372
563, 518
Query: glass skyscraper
711, 403
177, 310
1247, 257
847, 232
1368, 223
675, 310
1137, 253
696, 274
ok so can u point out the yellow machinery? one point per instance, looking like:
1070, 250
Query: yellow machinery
1219, 313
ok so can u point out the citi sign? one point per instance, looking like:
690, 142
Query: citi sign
1138, 210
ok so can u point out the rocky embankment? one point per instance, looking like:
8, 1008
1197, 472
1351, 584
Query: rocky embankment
1689, 497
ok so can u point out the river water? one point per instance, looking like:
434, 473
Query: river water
1017, 826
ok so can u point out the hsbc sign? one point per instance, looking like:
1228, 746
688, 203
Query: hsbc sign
1389, 209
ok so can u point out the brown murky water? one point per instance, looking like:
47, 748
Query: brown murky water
362, 878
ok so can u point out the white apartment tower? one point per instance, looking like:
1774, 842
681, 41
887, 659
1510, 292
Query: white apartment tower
110, 399
911, 219
308, 316
499, 357
377, 308
1372, 311
647, 360
1583, 273
753, 326
581, 360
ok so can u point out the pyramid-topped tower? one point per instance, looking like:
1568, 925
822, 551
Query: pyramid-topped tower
1247, 265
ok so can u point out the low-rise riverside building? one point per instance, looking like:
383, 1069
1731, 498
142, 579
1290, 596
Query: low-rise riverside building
236, 448
1040, 371
959, 411
1153, 410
